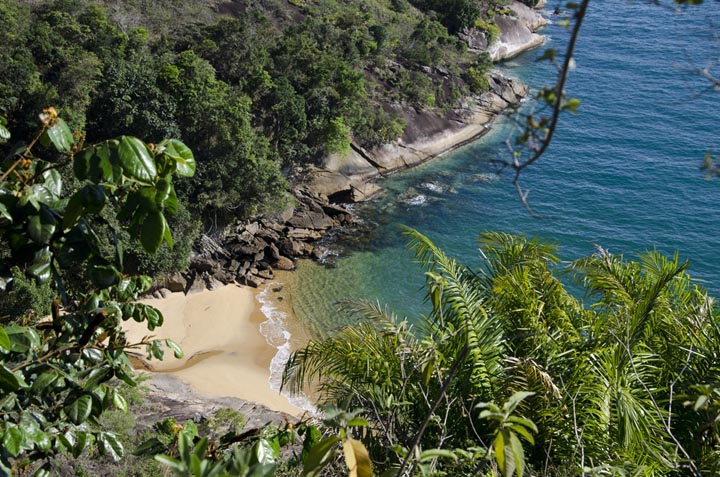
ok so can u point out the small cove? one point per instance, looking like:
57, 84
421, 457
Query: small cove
623, 173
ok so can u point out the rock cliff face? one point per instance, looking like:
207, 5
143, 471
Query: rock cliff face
427, 135
344, 178
517, 32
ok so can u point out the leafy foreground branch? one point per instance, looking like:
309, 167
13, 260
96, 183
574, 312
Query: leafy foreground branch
623, 382
57, 198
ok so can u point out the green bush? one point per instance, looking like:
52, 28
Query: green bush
491, 30
476, 75
26, 298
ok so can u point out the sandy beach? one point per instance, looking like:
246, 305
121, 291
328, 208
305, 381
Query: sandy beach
225, 353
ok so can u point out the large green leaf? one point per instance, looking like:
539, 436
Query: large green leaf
319, 456
79, 409
103, 275
53, 181
4, 339
44, 381
264, 452
177, 351
109, 445
10, 381
13, 441
153, 231
60, 136
137, 160
82, 439
36, 195
183, 156
5, 213
99, 163
4, 132
41, 226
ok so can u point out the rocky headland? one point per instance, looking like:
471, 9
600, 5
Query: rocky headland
248, 252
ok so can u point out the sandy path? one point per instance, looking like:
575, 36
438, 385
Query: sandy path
225, 354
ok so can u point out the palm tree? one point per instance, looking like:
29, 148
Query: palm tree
610, 371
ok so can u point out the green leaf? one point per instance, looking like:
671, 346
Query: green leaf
53, 181
40, 268
5, 213
137, 160
99, 163
44, 381
319, 456
263, 452
119, 402
10, 381
183, 156
61, 136
435, 453
13, 441
36, 195
572, 105
109, 445
177, 351
41, 226
4, 131
4, 339
518, 454
153, 231
79, 410
102, 274
171, 202
174, 464
499, 447
150, 447
515, 399
82, 439
155, 350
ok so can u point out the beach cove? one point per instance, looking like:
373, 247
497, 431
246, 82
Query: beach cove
225, 353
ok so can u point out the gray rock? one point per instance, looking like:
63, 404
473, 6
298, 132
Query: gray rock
175, 282
212, 283
250, 281
252, 228
284, 263
310, 219
164, 292
303, 234
196, 285
203, 264
363, 192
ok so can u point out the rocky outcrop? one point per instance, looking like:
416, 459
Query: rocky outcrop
517, 32
248, 252
170, 397
427, 135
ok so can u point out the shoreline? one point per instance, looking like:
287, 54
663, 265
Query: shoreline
246, 334
226, 355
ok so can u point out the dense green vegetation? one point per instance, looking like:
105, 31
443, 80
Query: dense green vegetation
621, 382
252, 89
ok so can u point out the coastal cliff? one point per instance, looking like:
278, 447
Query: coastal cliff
249, 251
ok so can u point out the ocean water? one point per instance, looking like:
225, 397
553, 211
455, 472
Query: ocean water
623, 173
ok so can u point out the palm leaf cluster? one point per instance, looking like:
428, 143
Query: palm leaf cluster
623, 378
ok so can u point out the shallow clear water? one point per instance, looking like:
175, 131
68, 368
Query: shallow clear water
623, 173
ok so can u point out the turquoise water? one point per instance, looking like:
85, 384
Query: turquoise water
623, 173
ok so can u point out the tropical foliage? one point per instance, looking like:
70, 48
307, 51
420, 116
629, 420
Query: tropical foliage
55, 370
619, 382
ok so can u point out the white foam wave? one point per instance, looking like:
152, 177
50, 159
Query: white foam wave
274, 329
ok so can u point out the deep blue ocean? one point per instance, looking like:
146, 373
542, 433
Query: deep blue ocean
623, 173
